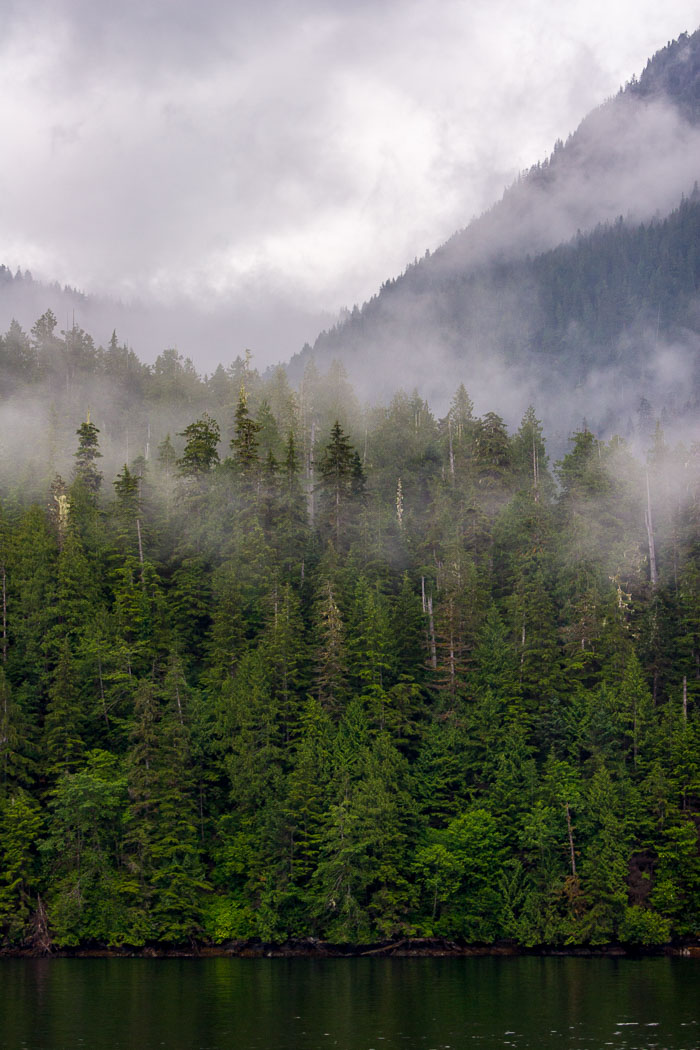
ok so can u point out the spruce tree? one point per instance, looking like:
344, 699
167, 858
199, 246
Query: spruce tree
86, 471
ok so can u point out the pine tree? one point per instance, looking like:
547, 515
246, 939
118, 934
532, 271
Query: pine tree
341, 480
244, 443
200, 455
530, 457
86, 471
167, 457
127, 487
65, 727
16, 762
331, 659
291, 528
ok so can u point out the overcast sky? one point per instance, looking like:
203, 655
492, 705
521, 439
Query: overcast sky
285, 158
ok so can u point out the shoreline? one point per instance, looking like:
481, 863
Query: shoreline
406, 948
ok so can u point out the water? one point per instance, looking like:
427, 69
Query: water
355, 1004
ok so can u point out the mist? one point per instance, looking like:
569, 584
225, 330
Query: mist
482, 308
237, 179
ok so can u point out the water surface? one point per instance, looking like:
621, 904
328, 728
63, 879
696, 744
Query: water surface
356, 1004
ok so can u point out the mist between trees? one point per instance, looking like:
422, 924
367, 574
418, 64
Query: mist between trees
277, 665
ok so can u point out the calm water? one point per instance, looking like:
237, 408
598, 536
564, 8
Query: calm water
358, 1004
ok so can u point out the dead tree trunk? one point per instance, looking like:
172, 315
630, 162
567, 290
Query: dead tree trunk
535, 470
311, 477
138, 533
4, 614
571, 839
650, 537
452, 455
430, 633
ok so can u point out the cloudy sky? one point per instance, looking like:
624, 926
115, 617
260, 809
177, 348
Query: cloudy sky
274, 162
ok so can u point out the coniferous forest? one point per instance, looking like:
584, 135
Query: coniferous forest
278, 665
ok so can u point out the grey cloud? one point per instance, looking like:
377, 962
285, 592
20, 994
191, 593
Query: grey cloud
196, 151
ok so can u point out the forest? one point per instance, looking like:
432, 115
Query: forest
612, 313
278, 665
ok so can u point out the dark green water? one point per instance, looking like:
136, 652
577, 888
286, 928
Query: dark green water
358, 1004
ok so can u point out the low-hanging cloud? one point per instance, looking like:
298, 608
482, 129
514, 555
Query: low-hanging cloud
190, 155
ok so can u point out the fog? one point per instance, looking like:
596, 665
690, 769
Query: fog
471, 311
244, 174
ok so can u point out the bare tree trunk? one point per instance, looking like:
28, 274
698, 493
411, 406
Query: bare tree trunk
311, 477
428, 611
40, 937
179, 704
4, 614
337, 516
452, 455
685, 698
535, 470
102, 689
431, 623
650, 537
571, 839
138, 533
453, 671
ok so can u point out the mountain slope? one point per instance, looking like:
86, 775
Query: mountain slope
488, 304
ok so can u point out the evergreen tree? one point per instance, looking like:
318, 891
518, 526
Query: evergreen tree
244, 444
86, 471
200, 454
341, 480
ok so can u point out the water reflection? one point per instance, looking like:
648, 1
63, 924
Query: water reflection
356, 1004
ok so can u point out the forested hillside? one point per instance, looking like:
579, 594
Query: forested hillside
596, 324
293, 667
579, 287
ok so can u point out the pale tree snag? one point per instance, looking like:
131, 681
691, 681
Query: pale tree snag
535, 470
399, 505
431, 622
3, 574
138, 527
571, 839
430, 631
452, 455
138, 533
310, 470
650, 537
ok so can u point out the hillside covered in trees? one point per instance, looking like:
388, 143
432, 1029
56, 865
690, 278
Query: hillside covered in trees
579, 287
277, 665
599, 323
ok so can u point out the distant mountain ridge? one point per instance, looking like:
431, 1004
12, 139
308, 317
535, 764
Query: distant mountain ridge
495, 305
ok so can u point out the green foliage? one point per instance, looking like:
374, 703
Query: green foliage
286, 696
86, 471
20, 827
86, 898
201, 452
460, 868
